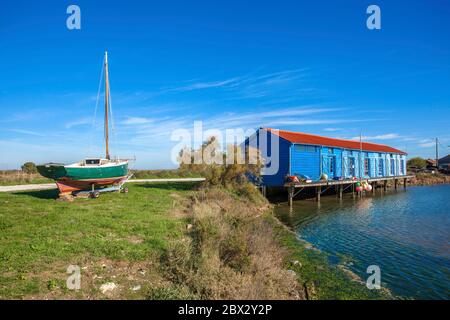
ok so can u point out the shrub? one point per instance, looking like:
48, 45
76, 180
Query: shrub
231, 253
229, 168
29, 167
417, 162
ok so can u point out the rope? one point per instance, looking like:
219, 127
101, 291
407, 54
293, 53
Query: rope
113, 127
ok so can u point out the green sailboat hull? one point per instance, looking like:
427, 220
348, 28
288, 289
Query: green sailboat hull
59, 171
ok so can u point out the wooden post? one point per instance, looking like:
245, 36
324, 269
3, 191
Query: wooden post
318, 192
290, 195
404, 183
341, 191
353, 190
395, 184
385, 185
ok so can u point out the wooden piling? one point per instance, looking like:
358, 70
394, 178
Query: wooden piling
404, 183
341, 191
290, 195
318, 192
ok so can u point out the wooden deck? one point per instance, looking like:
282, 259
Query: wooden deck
341, 182
294, 188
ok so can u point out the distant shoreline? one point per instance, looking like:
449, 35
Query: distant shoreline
428, 179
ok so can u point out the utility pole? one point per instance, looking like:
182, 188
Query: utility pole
361, 165
437, 153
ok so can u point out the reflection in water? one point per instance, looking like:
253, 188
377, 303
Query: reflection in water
406, 233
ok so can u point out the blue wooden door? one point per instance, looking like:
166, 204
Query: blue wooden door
329, 166
351, 167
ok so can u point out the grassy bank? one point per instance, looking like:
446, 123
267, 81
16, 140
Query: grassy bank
229, 252
160, 241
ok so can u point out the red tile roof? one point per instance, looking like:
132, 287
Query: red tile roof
306, 138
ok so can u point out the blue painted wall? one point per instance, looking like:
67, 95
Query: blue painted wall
305, 160
283, 165
279, 178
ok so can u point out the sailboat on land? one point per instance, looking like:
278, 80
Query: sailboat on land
92, 172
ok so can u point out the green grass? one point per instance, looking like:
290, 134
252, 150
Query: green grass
40, 237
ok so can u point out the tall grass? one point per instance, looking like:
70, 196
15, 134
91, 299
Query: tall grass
230, 253
11, 177
161, 174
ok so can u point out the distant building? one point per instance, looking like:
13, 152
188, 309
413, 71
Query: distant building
302, 154
431, 164
444, 163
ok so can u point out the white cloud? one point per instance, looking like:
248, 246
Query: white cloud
291, 122
427, 144
28, 132
388, 136
207, 85
249, 86
136, 120
79, 122
332, 129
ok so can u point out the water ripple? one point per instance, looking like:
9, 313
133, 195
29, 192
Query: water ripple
407, 234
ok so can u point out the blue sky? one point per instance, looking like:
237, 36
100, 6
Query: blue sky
310, 66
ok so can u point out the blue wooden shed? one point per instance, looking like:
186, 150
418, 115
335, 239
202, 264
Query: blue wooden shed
308, 155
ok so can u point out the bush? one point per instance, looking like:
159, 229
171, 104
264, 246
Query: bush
417, 162
231, 252
229, 168
29, 167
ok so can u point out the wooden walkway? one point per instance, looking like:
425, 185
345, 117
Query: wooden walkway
295, 188
49, 186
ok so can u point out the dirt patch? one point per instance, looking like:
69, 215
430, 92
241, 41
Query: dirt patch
131, 280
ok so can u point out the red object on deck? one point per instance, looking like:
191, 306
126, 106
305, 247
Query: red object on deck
293, 179
312, 139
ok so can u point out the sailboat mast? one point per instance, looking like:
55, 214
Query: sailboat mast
106, 106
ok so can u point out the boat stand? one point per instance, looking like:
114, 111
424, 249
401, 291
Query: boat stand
95, 193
